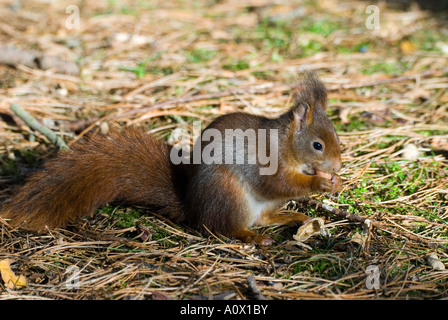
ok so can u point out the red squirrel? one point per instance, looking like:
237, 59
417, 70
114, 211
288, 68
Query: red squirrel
133, 167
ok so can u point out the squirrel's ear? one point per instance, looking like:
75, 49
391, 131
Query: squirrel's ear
303, 115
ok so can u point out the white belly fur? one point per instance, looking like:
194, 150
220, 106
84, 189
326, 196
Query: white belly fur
257, 205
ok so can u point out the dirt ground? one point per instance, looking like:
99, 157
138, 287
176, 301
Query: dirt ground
83, 67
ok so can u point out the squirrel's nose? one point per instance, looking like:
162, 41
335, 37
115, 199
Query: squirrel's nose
338, 166
335, 165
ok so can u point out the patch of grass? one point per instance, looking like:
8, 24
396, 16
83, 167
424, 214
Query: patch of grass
326, 265
310, 47
323, 27
386, 67
122, 217
272, 34
237, 64
147, 65
117, 7
428, 40
126, 217
355, 123
289, 37
139, 70
201, 55
375, 193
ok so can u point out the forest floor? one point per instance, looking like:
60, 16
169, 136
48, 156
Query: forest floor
161, 65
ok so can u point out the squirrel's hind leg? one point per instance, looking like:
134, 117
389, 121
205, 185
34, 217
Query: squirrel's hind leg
273, 218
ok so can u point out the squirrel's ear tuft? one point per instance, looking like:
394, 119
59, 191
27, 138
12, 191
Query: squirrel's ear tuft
303, 115
311, 90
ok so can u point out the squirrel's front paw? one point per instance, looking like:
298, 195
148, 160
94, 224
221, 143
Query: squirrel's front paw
337, 183
332, 185
322, 184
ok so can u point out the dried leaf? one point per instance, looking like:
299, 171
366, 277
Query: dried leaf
407, 47
434, 262
9, 278
358, 238
313, 227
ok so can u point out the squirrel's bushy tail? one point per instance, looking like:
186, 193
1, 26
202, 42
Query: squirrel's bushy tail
129, 166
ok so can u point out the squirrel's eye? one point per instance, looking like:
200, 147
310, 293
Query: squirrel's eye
317, 146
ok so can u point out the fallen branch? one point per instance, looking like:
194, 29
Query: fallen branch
35, 125
373, 223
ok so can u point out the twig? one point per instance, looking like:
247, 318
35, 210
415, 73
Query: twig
35, 125
376, 224
256, 89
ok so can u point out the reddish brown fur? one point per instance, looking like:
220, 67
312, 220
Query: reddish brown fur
131, 166
135, 168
